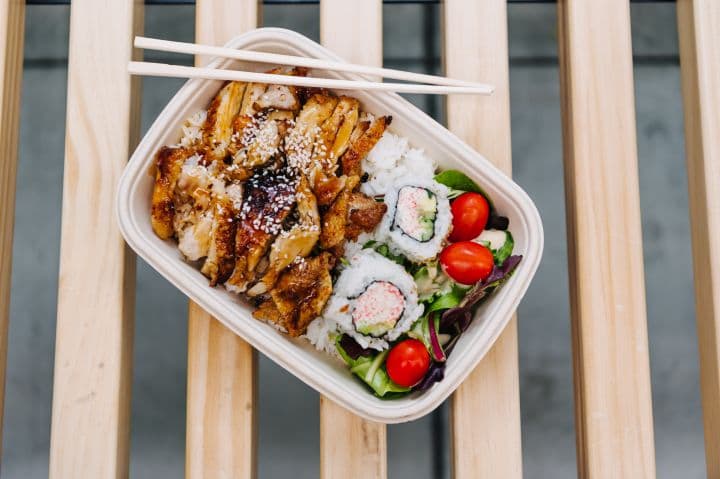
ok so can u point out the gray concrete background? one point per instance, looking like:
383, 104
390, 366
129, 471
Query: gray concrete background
288, 415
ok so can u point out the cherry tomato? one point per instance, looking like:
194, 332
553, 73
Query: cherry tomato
407, 362
466, 262
470, 213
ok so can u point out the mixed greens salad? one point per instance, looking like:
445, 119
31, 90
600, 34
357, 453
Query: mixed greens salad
475, 263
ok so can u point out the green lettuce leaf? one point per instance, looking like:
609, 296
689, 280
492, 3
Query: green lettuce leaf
504, 252
371, 370
448, 300
384, 250
459, 183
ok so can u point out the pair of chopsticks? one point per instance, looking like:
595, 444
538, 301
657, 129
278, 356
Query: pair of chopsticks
433, 85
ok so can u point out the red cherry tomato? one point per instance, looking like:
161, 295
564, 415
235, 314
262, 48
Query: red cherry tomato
466, 262
407, 362
470, 213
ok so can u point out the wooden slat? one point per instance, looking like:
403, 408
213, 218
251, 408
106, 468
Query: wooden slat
221, 392
93, 348
485, 410
351, 447
353, 29
610, 348
12, 20
221, 408
699, 32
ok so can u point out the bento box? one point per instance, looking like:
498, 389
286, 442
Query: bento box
324, 373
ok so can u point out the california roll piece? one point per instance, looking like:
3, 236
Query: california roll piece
418, 218
375, 300
378, 309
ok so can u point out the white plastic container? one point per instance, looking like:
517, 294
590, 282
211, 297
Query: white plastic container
325, 374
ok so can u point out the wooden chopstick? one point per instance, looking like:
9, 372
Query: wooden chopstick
180, 71
314, 63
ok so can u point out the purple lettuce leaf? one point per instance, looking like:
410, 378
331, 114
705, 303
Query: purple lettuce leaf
459, 318
455, 320
437, 351
353, 349
503, 272
497, 222
435, 374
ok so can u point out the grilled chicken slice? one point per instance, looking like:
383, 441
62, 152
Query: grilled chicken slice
335, 219
298, 242
169, 162
282, 97
279, 97
361, 146
299, 295
197, 185
218, 128
267, 139
327, 188
364, 214
260, 96
352, 213
301, 140
335, 132
257, 139
268, 198
360, 128
253, 92
220, 260
193, 228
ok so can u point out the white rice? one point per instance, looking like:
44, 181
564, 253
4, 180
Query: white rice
352, 248
321, 333
390, 159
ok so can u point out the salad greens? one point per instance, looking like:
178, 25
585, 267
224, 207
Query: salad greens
431, 281
426, 330
501, 251
460, 315
369, 368
384, 250
460, 183
448, 300
448, 305
505, 250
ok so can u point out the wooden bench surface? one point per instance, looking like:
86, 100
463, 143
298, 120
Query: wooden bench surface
613, 410
93, 360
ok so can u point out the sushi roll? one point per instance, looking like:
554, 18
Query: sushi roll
418, 218
375, 300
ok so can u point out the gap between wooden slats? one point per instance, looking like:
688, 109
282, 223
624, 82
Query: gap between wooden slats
351, 447
485, 410
221, 392
613, 406
699, 32
93, 346
12, 20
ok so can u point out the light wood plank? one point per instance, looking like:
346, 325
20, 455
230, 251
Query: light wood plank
699, 32
221, 409
351, 447
221, 391
93, 348
353, 29
613, 409
218, 21
12, 20
485, 410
